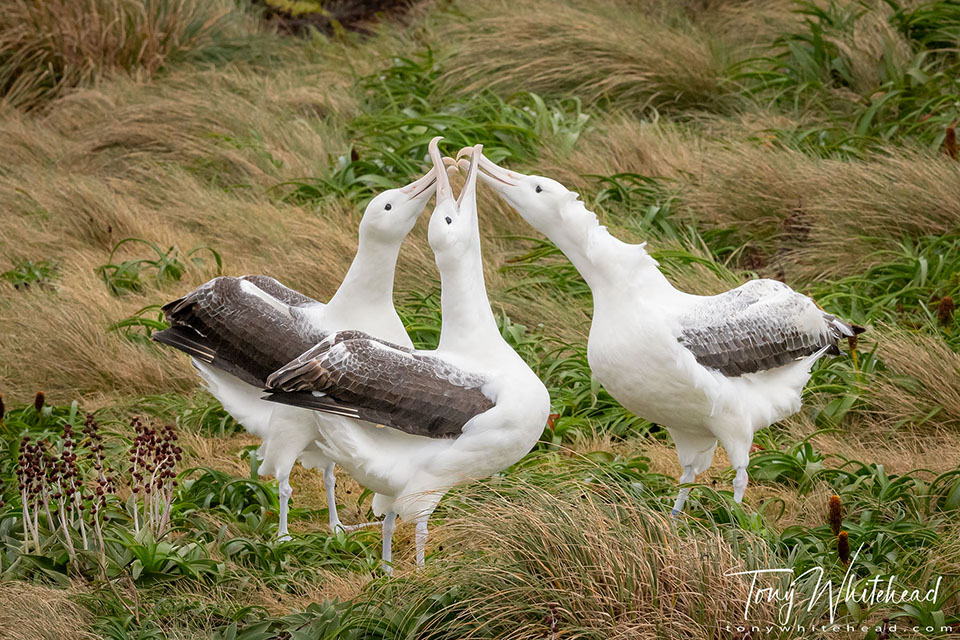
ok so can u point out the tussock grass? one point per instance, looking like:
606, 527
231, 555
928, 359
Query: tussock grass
921, 385
58, 343
48, 46
36, 612
821, 219
605, 53
799, 217
650, 111
579, 560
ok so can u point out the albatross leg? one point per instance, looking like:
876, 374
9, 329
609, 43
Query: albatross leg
389, 524
739, 483
694, 452
285, 492
329, 485
739, 453
689, 475
421, 540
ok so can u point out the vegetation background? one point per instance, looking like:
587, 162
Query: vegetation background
148, 145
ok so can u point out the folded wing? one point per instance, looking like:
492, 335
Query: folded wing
248, 327
354, 374
761, 325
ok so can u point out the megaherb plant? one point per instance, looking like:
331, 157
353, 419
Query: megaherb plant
68, 483
64, 516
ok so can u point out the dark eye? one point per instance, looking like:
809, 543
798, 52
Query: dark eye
448, 220
388, 207
539, 188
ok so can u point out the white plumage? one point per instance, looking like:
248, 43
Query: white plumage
364, 301
707, 368
499, 405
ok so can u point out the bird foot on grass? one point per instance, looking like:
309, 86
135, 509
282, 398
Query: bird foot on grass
355, 527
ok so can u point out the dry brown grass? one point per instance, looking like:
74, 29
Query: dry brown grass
827, 217
600, 52
587, 562
35, 612
920, 389
812, 218
152, 162
48, 46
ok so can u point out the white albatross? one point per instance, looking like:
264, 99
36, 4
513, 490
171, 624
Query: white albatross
464, 411
240, 330
707, 368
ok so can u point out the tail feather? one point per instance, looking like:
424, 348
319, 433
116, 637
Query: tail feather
307, 400
187, 340
841, 328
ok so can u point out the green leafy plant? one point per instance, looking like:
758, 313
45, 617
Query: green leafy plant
27, 273
405, 113
198, 413
125, 276
139, 327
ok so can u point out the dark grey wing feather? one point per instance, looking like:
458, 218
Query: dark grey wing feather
236, 328
761, 325
356, 374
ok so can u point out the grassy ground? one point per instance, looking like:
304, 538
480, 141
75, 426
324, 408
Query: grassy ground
811, 142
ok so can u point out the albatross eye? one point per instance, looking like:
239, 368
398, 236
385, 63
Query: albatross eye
449, 221
539, 188
388, 207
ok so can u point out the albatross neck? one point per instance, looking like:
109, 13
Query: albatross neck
610, 266
369, 281
468, 322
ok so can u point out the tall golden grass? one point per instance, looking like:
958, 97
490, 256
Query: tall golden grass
48, 46
919, 390
817, 218
37, 612
609, 53
581, 560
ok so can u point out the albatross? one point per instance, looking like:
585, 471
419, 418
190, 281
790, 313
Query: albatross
240, 330
431, 419
707, 368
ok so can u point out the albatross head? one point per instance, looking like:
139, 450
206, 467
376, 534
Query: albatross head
391, 215
539, 200
453, 226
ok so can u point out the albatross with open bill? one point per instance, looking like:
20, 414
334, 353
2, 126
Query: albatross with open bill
707, 368
240, 330
465, 411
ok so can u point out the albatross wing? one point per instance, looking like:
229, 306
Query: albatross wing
354, 374
246, 326
760, 325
